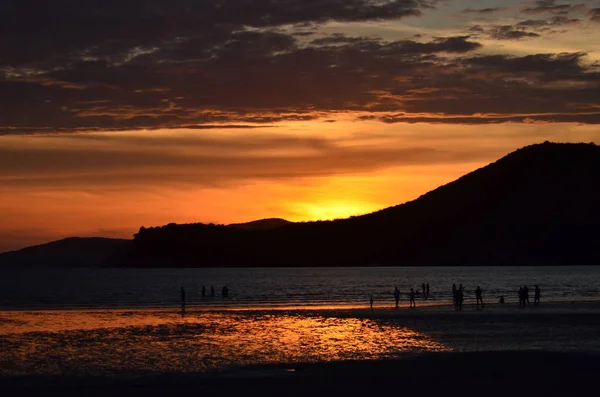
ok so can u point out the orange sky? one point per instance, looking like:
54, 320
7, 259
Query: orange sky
110, 184
227, 112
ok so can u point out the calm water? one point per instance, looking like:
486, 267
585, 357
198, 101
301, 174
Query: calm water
138, 288
108, 321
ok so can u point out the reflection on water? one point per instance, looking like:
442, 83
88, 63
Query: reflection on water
106, 342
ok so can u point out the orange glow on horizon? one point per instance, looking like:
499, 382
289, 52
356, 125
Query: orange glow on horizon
111, 184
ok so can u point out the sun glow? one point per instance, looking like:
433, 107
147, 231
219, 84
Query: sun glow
335, 209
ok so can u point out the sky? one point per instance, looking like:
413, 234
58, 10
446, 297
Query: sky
121, 114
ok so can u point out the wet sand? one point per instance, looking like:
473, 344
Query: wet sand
552, 349
481, 373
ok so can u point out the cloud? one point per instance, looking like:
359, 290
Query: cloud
149, 65
436, 77
483, 10
117, 161
539, 118
112, 30
526, 29
507, 32
595, 14
547, 24
550, 6
294, 84
339, 38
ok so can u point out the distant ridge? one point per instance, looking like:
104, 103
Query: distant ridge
262, 224
69, 252
539, 205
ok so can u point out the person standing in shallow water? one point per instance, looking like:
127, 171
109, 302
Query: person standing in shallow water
521, 298
479, 297
212, 291
525, 295
182, 291
412, 298
454, 296
203, 291
397, 296
536, 295
371, 301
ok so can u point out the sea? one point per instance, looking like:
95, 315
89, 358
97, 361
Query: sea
130, 322
281, 287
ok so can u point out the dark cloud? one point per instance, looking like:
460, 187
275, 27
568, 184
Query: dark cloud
360, 75
184, 64
483, 10
457, 45
53, 130
339, 38
507, 32
527, 29
42, 32
255, 77
476, 29
591, 118
546, 24
550, 6
549, 66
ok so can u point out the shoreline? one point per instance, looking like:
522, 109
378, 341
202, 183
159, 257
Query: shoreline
425, 304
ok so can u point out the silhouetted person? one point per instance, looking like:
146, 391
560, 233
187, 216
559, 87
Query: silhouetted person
525, 295
397, 296
412, 298
203, 291
427, 290
182, 301
536, 295
225, 292
461, 296
371, 301
212, 291
521, 298
479, 297
502, 300
424, 290
455, 296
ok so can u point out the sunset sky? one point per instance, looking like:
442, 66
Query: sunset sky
118, 114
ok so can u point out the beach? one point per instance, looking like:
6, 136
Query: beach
297, 349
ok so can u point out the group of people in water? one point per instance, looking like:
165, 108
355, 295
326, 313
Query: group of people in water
458, 296
411, 296
524, 296
224, 294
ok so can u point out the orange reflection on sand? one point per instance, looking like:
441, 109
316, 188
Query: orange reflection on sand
108, 342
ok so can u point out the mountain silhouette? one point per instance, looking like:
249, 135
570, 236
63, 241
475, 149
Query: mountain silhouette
539, 205
536, 206
69, 252
261, 224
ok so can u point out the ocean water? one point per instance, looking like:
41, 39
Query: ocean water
265, 287
104, 322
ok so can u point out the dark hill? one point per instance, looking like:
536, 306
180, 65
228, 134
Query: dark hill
262, 224
539, 205
70, 252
